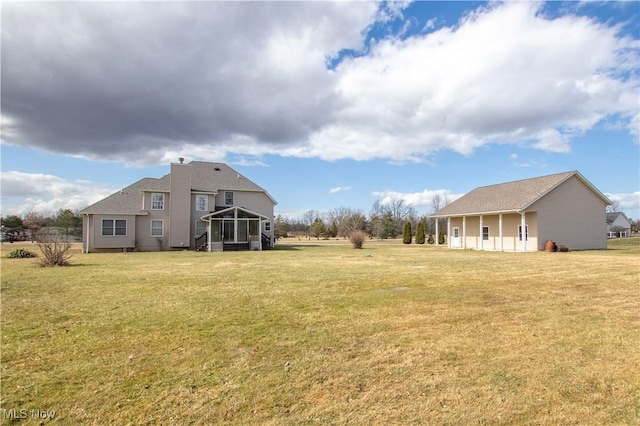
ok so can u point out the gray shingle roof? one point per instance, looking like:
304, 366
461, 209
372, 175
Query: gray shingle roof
612, 216
205, 177
509, 197
125, 201
214, 177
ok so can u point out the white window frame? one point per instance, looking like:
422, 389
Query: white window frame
487, 235
114, 228
456, 232
228, 201
157, 204
267, 226
152, 228
526, 232
202, 203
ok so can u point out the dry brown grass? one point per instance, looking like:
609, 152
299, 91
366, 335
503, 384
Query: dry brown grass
319, 333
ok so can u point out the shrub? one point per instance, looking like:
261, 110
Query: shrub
406, 235
441, 237
357, 238
420, 233
21, 254
55, 251
430, 240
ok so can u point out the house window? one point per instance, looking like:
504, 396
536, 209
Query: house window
456, 232
485, 233
526, 232
157, 201
228, 198
267, 226
114, 227
202, 203
157, 228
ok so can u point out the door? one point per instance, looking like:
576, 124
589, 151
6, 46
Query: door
228, 231
243, 231
456, 237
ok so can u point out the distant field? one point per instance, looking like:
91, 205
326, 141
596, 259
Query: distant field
316, 332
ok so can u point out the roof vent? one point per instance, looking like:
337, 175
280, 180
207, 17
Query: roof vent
217, 169
181, 160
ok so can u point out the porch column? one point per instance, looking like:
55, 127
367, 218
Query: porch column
481, 238
88, 230
464, 232
449, 232
523, 233
500, 231
235, 225
210, 231
437, 234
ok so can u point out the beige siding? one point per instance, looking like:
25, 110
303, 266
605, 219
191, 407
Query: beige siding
180, 206
144, 240
257, 202
197, 214
471, 233
572, 215
97, 241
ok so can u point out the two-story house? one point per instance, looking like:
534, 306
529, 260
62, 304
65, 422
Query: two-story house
198, 205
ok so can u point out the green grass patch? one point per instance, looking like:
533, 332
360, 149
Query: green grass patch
319, 333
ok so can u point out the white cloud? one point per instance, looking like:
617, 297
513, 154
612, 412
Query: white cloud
430, 24
209, 79
26, 192
628, 202
505, 74
634, 128
339, 189
416, 199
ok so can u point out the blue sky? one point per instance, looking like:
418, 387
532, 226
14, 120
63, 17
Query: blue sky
324, 104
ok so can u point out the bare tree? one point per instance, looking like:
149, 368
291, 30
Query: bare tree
400, 210
309, 217
355, 221
437, 204
614, 207
34, 222
346, 220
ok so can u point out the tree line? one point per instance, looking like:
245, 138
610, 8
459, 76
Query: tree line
65, 223
388, 220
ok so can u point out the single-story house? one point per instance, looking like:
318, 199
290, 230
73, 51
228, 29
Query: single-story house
523, 215
198, 205
618, 225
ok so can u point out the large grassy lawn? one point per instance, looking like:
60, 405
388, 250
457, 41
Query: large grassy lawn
320, 333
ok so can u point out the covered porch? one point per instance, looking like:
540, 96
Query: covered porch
494, 231
232, 228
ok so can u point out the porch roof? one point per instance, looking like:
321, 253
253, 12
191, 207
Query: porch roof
510, 197
221, 213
